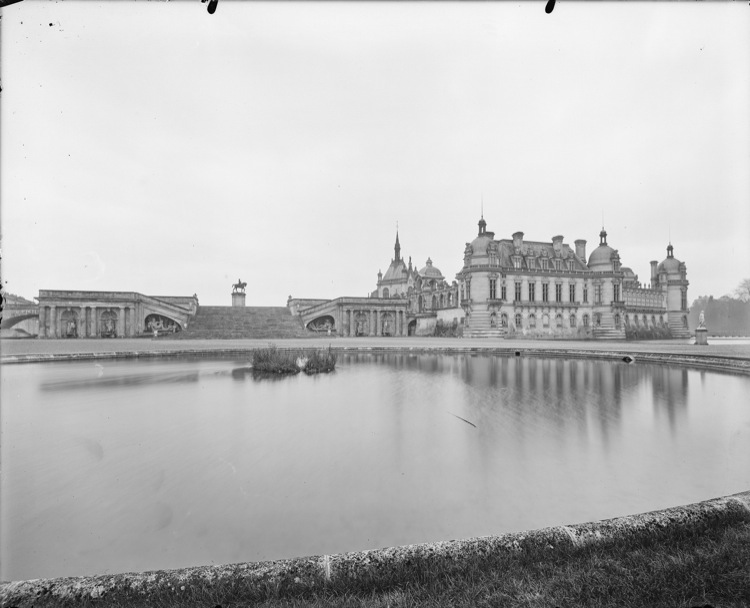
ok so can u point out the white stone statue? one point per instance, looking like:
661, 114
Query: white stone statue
701, 321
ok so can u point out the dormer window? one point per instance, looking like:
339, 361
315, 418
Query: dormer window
544, 264
517, 262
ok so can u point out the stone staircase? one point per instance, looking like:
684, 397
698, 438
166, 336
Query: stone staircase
608, 333
234, 323
479, 326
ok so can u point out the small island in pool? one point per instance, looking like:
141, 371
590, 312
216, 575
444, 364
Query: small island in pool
272, 360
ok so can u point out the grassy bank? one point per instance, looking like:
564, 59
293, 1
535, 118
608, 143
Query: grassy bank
701, 562
272, 360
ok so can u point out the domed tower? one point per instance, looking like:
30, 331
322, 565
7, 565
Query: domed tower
671, 278
478, 280
606, 281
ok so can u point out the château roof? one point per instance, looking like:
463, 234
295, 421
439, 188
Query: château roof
430, 271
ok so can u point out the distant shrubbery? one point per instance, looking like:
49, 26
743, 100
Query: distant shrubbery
725, 316
271, 360
647, 333
448, 330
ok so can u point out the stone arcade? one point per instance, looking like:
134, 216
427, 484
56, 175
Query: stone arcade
111, 314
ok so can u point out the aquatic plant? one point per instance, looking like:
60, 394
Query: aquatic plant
272, 360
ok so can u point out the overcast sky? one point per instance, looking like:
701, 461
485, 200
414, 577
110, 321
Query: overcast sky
152, 147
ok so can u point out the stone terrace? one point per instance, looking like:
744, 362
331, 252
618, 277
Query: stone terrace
232, 323
737, 349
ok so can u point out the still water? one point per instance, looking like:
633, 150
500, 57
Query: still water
115, 466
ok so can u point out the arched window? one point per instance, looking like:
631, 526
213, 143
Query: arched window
572, 320
545, 320
420, 304
532, 321
558, 320
645, 321
518, 320
434, 302
386, 292
585, 320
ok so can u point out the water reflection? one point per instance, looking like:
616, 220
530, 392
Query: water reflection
134, 465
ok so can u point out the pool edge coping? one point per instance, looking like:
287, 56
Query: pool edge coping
315, 572
713, 362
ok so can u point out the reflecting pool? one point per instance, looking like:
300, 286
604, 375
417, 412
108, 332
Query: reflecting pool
115, 466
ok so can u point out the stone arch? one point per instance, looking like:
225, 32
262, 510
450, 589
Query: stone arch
434, 302
572, 320
325, 323
387, 324
361, 323
558, 320
160, 323
411, 328
386, 292
108, 324
69, 323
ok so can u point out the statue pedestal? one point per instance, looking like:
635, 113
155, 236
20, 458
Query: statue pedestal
701, 336
238, 299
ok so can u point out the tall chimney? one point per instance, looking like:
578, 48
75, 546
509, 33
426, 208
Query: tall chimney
581, 249
557, 242
654, 263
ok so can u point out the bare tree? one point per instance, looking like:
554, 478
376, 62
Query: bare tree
743, 290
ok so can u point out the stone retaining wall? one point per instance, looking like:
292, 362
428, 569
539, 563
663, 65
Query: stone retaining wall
300, 574
710, 362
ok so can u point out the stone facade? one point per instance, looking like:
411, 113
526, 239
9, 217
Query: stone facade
111, 314
515, 288
524, 288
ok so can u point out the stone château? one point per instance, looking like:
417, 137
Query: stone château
516, 288
509, 287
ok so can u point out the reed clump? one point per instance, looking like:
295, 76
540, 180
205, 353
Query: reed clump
273, 360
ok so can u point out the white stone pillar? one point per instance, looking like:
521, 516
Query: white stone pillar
372, 322
42, 321
53, 321
82, 322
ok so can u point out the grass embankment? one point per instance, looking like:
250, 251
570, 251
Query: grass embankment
271, 360
704, 563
